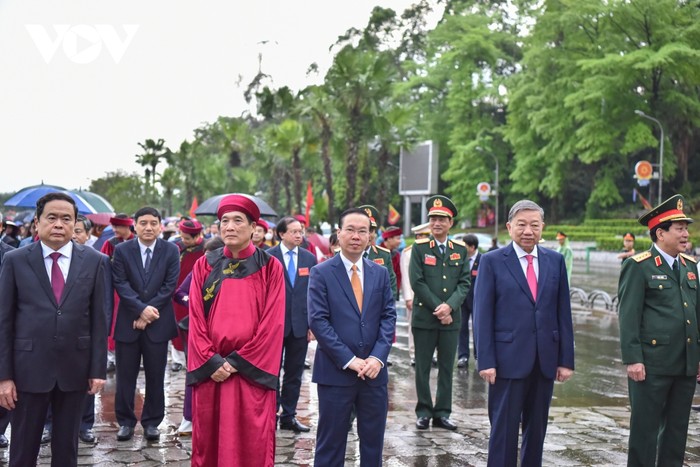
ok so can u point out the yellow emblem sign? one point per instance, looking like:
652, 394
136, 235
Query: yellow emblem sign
437, 203
368, 211
679, 206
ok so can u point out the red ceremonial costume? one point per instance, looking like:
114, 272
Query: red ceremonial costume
239, 319
188, 258
108, 249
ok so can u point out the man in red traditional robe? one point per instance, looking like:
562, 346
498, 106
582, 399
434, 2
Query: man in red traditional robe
122, 226
236, 327
191, 248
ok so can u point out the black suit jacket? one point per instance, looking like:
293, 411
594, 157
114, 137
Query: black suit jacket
42, 342
136, 289
296, 321
4, 248
468, 304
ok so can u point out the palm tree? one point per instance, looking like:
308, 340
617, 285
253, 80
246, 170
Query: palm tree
358, 80
315, 102
153, 153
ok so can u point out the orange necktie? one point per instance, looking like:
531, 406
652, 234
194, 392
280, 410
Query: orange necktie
356, 286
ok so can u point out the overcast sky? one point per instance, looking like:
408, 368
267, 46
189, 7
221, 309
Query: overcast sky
82, 82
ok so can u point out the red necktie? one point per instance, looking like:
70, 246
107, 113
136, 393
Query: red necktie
57, 281
531, 277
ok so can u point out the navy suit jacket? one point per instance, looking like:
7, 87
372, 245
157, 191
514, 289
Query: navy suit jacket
43, 342
511, 329
296, 320
341, 330
136, 289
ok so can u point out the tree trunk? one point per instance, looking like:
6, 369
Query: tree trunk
382, 185
288, 193
352, 160
296, 173
275, 189
326, 135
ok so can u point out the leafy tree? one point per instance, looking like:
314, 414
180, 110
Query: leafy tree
126, 192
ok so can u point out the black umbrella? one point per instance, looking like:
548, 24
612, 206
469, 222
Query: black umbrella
210, 206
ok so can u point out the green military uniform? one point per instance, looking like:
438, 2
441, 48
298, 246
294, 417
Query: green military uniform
379, 254
659, 313
437, 278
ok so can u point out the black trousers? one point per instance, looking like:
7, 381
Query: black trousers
294, 349
28, 424
155, 357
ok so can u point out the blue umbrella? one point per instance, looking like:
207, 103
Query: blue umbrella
27, 198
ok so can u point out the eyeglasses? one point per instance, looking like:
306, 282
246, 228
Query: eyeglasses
361, 232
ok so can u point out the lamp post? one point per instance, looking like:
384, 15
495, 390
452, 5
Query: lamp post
661, 149
495, 159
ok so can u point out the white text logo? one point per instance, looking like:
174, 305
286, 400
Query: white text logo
82, 43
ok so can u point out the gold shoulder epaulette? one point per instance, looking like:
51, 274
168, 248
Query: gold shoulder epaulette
379, 247
408, 247
459, 242
642, 256
421, 241
689, 258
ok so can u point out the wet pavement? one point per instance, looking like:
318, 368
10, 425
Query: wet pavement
588, 420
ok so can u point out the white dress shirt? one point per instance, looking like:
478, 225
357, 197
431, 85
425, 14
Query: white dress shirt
523, 261
63, 262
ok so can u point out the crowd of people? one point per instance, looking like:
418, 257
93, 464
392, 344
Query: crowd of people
237, 305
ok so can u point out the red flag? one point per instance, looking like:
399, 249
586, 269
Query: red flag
309, 202
393, 216
645, 203
194, 207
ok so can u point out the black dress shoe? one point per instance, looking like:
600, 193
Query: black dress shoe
388, 363
3, 441
413, 362
462, 362
444, 422
125, 433
295, 425
695, 407
435, 361
151, 433
86, 436
176, 366
111, 367
422, 423
46, 436
307, 364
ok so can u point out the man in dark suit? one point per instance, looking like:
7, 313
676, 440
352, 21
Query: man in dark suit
145, 272
352, 315
659, 334
4, 414
297, 266
524, 336
472, 243
53, 341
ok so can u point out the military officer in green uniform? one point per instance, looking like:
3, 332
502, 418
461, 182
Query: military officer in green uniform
439, 275
376, 253
659, 307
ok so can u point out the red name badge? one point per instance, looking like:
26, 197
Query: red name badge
430, 260
475, 272
455, 256
303, 271
692, 276
379, 261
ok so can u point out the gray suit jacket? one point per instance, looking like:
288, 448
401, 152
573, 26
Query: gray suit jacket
42, 342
